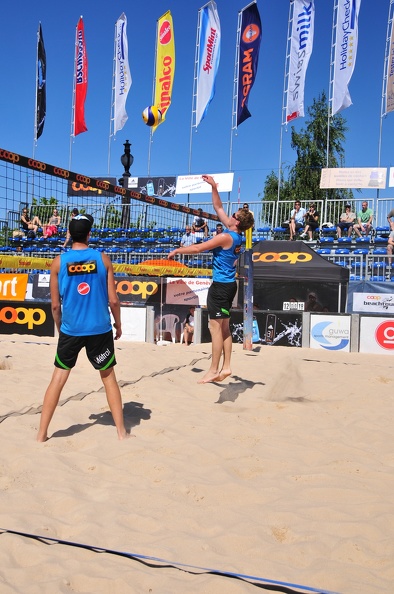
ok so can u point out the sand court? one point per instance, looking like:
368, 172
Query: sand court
285, 471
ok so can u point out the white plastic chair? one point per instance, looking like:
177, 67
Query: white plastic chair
170, 323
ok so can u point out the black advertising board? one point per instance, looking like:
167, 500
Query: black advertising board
24, 317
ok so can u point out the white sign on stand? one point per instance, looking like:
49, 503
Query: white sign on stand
377, 335
331, 333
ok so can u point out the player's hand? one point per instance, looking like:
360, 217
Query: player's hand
118, 332
209, 179
171, 255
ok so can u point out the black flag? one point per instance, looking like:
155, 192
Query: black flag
41, 95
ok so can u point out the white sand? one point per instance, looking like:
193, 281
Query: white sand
284, 471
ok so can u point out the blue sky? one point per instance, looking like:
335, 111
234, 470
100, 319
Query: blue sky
255, 146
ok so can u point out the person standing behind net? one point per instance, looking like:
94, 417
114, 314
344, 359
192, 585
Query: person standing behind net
74, 213
226, 248
82, 288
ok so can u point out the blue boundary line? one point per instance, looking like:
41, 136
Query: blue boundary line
250, 579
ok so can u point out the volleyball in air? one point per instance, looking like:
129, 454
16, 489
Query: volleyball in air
152, 115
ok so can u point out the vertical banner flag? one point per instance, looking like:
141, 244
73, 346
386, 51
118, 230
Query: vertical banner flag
390, 74
81, 79
165, 64
41, 95
345, 52
249, 48
122, 73
300, 51
208, 58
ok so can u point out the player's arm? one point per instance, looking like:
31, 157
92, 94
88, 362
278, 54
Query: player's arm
216, 201
223, 240
54, 291
113, 299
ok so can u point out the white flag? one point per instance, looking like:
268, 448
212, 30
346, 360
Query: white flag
390, 74
300, 52
208, 58
345, 52
122, 73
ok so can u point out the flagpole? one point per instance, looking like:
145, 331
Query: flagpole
111, 114
285, 92
72, 133
235, 91
153, 96
35, 110
331, 81
383, 109
194, 95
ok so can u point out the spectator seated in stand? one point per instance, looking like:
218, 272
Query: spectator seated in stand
364, 220
296, 219
200, 226
53, 223
188, 330
346, 221
311, 222
29, 224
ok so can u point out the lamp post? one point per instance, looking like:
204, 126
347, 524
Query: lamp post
127, 160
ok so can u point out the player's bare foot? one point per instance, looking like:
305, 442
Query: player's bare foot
223, 374
210, 376
124, 435
42, 438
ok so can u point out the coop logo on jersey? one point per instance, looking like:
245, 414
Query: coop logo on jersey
384, 334
83, 288
330, 336
76, 268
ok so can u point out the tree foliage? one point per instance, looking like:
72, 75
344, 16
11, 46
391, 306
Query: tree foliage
302, 180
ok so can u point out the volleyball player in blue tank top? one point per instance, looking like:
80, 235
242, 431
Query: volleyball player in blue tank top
226, 248
82, 289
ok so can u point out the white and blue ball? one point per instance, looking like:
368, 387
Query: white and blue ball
152, 115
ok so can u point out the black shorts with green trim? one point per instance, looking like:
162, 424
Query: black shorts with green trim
100, 350
219, 299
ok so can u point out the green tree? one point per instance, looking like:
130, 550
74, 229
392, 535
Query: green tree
302, 180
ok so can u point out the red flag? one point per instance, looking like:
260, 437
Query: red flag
81, 79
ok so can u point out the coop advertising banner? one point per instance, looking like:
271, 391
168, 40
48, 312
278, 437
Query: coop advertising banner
194, 184
373, 303
353, 177
390, 74
41, 99
249, 48
208, 58
345, 52
19, 317
300, 51
79, 188
81, 79
122, 73
165, 65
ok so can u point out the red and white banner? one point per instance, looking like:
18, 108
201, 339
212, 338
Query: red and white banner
122, 73
300, 52
81, 79
345, 52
